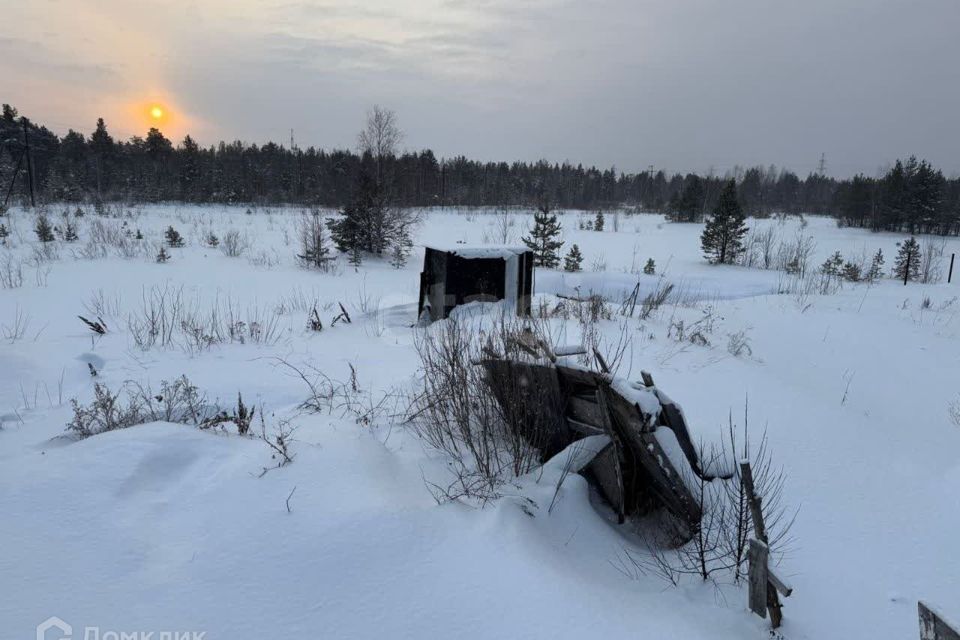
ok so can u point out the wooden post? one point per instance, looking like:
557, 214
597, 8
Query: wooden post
760, 531
933, 626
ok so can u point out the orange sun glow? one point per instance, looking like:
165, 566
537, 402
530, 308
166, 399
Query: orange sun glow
156, 112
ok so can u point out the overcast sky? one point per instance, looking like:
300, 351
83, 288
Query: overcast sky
677, 84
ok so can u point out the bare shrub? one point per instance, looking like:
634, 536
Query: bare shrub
344, 398
738, 344
931, 261
803, 285
279, 442
241, 416
168, 318
655, 299
727, 524
17, 327
299, 301
501, 229
11, 272
177, 401
265, 258
106, 236
599, 263
670, 552
234, 243
101, 305
758, 248
793, 256
953, 410
491, 427
696, 332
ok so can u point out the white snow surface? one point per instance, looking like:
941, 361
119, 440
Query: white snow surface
163, 527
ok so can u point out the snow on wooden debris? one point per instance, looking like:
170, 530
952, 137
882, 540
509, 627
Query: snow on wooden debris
643, 397
485, 252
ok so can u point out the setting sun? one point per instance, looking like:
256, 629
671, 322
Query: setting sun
156, 112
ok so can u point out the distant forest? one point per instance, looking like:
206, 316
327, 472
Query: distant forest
912, 197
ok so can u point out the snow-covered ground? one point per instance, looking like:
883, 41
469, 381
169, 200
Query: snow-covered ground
164, 527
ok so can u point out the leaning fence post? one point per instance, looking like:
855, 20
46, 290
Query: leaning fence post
763, 584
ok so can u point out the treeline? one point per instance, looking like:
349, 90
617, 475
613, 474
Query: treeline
912, 197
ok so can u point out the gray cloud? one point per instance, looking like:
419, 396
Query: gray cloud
679, 85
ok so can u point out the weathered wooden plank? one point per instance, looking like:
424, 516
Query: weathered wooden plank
587, 411
780, 585
604, 469
933, 626
658, 474
667, 483
672, 418
757, 556
573, 377
618, 447
530, 397
584, 429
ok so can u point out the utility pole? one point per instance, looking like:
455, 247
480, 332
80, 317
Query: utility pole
907, 266
13, 180
26, 151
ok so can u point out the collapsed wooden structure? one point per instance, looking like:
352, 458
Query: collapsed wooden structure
650, 458
459, 275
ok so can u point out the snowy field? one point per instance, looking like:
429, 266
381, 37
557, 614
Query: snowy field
165, 527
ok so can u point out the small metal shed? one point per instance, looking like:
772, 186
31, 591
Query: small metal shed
455, 276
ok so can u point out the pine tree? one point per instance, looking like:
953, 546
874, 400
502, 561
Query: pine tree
906, 266
69, 231
163, 256
102, 146
212, 240
851, 271
543, 240
876, 267
650, 268
314, 251
833, 265
4, 232
401, 248
573, 261
174, 239
722, 237
598, 222
687, 206
358, 221
43, 229
356, 256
